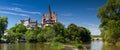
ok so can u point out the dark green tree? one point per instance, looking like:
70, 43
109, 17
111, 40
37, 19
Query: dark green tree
109, 15
47, 34
72, 32
59, 32
31, 34
84, 34
78, 34
3, 25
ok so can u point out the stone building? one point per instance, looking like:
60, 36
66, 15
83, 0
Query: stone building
29, 22
50, 18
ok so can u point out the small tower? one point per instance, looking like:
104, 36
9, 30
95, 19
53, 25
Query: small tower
54, 17
43, 19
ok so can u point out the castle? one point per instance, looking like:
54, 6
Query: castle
29, 23
48, 19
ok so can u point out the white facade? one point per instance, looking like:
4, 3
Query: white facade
29, 23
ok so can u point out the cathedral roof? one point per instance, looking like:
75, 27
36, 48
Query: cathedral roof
49, 11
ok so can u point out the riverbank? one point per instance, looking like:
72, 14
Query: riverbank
94, 45
57, 45
51, 46
109, 44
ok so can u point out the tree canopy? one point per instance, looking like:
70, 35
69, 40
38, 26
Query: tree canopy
3, 25
109, 15
54, 33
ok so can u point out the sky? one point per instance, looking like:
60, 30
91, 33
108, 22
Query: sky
80, 12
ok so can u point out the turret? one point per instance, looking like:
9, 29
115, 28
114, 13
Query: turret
54, 17
43, 19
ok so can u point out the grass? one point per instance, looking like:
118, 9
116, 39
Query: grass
60, 46
79, 46
57, 46
118, 44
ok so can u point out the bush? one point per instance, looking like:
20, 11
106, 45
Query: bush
79, 46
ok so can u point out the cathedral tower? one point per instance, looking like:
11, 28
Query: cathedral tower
50, 18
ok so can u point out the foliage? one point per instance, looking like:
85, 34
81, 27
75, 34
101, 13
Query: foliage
3, 25
79, 46
31, 34
46, 35
15, 33
10, 37
78, 34
57, 46
59, 32
54, 33
84, 33
59, 28
72, 32
19, 30
109, 15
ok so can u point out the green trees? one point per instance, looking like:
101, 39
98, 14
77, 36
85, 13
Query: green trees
40, 34
3, 25
10, 37
78, 34
31, 35
72, 32
54, 33
85, 34
58, 33
19, 30
109, 15
15, 33
47, 34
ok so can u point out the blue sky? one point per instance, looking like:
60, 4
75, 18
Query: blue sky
80, 12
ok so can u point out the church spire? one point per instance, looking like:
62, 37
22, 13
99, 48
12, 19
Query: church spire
49, 10
48, 15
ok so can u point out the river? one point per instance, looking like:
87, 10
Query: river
95, 45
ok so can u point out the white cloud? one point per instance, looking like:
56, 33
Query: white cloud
94, 28
11, 13
19, 10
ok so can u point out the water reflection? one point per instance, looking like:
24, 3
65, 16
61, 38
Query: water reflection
95, 45
25, 46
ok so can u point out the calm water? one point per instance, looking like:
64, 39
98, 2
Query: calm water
95, 45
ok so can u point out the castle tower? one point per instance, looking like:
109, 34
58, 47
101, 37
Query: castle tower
48, 15
54, 17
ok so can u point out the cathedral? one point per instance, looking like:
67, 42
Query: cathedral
50, 18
